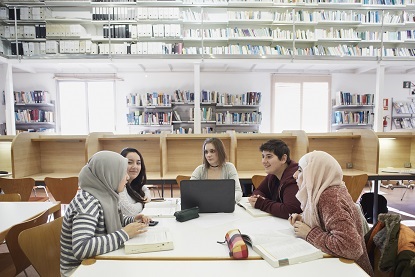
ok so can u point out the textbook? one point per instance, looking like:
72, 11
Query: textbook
285, 250
165, 208
155, 239
251, 210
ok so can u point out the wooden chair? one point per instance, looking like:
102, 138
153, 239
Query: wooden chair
10, 197
257, 180
22, 186
355, 185
62, 189
180, 178
41, 245
15, 261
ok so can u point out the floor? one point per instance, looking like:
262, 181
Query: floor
400, 200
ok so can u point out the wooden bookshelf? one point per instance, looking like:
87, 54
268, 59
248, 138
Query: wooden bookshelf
248, 158
39, 156
360, 147
5, 153
396, 149
181, 153
147, 144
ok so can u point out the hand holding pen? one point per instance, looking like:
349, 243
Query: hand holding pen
294, 217
253, 198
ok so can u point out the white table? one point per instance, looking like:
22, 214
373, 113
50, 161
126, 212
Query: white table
319, 268
12, 213
196, 239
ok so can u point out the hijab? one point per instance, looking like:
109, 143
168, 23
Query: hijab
101, 177
319, 171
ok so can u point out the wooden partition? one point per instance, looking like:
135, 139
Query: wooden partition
358, 148
149, 145
248, 157
182, 153
5, 153
39, 155
397, 149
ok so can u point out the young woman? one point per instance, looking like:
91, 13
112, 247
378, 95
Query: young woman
93, 224
330, 220
133, 199
215, 165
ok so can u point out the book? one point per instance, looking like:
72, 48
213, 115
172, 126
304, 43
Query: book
285, 250
244, 203
165, 208
155, 239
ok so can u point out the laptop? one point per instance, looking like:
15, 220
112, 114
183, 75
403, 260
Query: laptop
211, 196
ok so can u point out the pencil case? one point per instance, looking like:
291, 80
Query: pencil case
185, 215
237, 246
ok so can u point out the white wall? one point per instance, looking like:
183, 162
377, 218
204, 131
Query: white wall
223, 82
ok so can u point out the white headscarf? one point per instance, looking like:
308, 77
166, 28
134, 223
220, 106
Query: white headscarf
319, 171
101, 177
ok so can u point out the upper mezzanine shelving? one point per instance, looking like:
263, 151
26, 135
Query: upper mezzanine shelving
370, 30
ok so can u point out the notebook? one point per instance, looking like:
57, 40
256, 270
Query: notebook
211, 196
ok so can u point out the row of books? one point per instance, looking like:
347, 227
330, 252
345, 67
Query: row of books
404, 123
141, 31
238, 118
404, 107
136, 13
25, 13
33, 116
149, 99
248, 98
23, 31
181, 96
348, 98
352, 117
66, 30
149, 118
30, 97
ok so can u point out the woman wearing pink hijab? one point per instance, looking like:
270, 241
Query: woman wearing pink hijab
330, 220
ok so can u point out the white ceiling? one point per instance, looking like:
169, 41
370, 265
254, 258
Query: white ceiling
312, 66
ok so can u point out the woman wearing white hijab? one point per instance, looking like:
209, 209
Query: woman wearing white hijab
330, 220
93, 224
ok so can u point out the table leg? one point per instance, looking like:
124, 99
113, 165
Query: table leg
375, 201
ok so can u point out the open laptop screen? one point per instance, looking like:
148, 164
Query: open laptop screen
211, 196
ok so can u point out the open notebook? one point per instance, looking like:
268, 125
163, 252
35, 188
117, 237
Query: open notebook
165, 208
244, 203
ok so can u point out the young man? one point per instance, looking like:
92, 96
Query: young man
276, 193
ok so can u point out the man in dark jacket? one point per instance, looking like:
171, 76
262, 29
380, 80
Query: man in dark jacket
276, 193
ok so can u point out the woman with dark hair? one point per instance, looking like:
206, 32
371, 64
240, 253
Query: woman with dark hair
133, 199
215, 165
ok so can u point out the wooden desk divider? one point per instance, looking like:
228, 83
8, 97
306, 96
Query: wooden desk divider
38, 155
248, 157
5, 153
397, 149
182, 153
149, 145
358, 148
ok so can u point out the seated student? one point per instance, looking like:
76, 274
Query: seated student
215, 166
136, 194
276, 193
93, 224
330, 220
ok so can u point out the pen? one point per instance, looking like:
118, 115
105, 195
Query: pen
241, 206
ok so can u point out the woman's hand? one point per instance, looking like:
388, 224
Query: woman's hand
135, 228
147, 199
295, 217
301, 229
142, 218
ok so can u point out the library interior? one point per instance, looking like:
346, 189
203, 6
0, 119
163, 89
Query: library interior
81, 76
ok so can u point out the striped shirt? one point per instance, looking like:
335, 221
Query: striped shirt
84, 234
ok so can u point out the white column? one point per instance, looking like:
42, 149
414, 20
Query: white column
8, 91
378, 120
196, 79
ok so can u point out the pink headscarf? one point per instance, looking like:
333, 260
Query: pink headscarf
319, 171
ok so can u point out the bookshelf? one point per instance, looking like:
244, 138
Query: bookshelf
403, 114
351, 111
369, 30
34, 112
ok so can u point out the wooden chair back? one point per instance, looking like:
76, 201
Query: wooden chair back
180, 178
41, 245
257, 180
62, 189
20, 261
355, 185
22, 186
10, 197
